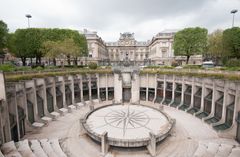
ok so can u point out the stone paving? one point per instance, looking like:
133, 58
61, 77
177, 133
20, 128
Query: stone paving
182, 142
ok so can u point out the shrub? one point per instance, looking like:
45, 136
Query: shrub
233, 63
7, 67
189, 66
92, 65
39, 68
174, 63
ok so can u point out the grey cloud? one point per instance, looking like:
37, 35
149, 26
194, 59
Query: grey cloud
110, 17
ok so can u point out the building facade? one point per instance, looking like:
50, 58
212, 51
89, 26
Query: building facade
158, 51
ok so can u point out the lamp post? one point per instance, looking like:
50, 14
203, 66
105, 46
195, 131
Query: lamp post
28, 16
233, 12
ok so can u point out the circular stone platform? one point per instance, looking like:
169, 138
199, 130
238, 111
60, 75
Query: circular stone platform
127, 125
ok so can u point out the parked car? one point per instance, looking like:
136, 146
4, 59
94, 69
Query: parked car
208, 64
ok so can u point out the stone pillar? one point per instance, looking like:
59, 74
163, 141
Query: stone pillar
225, 101
193, 92
15, 111
90, 87
104, 143
81, 88
164, 87
155, 94
106, 79
63, 92
152, 144
147, 88
173, 89
214, 98
203, 96
72, 89
236, 102
54, 95
183, 90
91, 106
44, 97
98, 89
117, 88
33, 99
135, 88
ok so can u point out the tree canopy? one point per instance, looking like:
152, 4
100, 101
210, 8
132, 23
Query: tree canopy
3, 34
215, 45
190, 41
231, 43
27, 43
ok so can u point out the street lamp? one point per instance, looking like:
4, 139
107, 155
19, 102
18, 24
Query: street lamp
28, 16
233, 12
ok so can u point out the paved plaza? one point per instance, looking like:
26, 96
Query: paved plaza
188, 132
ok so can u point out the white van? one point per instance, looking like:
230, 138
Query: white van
208, 64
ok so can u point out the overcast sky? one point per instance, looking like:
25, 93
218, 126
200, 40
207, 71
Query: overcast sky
111, 17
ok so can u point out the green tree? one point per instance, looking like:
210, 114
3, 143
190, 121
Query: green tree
18, 45
28, 42
3, 34
215, 45
231, 43
51, 50
190, 41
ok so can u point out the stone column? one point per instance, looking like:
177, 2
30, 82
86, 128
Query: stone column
90, 87
54, 95
63, 91
117, 88
173, 89
147, 88
33, 99
44, 97
104, 143
15, 110
203, 96
152, 144
193, 92
135, 88
106, 77
72, 89
98, 89
164, 87
214, 98
155, 93
225, 101
81, 88
183, 90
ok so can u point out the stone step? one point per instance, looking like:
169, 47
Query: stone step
57, 148
46, 119
24, 149
224, 150
200, 150
64, 111
9, 150
38, 125
1, 155
79, 105
55, 115
37, 149
235, 152
71, 108
47, 148
212, 149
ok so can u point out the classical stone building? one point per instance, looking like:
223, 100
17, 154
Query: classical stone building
158, 51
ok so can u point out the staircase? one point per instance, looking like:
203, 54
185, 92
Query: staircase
32, 148
212, 149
